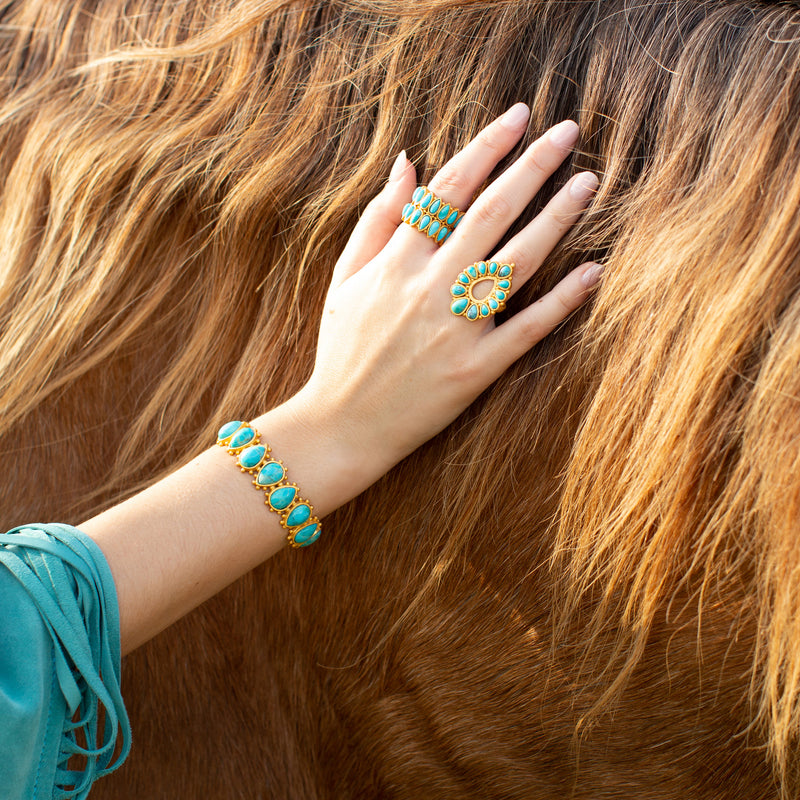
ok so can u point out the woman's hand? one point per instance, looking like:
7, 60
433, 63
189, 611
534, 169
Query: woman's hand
394, 365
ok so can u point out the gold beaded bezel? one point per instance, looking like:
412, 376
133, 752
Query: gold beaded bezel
312, 520
283, 483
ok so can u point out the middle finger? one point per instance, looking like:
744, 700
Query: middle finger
505, 199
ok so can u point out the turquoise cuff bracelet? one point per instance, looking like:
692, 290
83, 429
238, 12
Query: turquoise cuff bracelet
242, 440
430, 215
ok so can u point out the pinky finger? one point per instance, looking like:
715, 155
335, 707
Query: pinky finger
516, 336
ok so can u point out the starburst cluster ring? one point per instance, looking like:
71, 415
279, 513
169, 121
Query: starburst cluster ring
463, 301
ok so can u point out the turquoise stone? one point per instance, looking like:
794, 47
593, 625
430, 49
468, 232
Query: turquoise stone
281, 498
424, 222
504, 271
472, 312
228, 429
458, 289
504, 284
433, 227
415, 215
484, 310
453, 217
459, 305
442, 235
298, 515
463, 278
482, 268
444, 211
493, 303
250, 457
311, 540
270, 473
426, 201
458, 222
304, 535
472, 271
407, 209
242, 437
418, 193
434, 206
492, 267
500, 295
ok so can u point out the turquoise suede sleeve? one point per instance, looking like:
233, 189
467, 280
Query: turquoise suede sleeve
59, 660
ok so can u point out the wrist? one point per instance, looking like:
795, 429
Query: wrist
321, 451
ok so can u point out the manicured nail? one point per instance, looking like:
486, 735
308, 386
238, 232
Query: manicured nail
516, 116
592, 274
565, 133
399, 167
583, 186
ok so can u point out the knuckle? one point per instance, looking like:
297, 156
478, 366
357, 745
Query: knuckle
536, 161
464, 369
564, 300
491, 209
490, 140
534, 329
448, 180
558, 217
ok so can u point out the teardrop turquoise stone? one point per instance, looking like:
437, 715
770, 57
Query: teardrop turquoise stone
442, 235
407, 209
492, 267
415, 215
311, 540
458, 289
426, 201
504, 284
281, 498
458, 306
472, 312
500, 295
249, 457
424, 222
303, 536
453, 217
242, 437
463, 278
270, 473
472, 271
298, 515
493, 303
458, 222
434, 206
444, 211
418, 193
228, 429
484, 310
433, 227
504, 271
482, 268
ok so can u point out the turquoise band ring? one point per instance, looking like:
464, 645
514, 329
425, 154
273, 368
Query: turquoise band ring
462, 299
430, 215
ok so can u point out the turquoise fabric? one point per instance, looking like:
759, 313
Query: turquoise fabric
59, 660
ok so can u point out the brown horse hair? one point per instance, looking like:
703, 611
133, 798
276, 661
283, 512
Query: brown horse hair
179, 178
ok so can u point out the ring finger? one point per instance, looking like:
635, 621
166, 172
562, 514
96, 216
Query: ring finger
458, 180
531, 246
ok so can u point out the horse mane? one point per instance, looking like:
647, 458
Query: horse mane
587, 584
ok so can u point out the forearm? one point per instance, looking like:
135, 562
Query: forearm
393, 368
187, 537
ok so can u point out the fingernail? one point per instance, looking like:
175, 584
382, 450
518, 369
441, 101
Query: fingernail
592, 275
399, 167
565, 133
516, 116
583, 186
